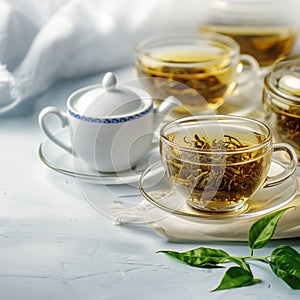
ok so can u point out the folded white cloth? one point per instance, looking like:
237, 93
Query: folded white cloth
42, 42
176, 228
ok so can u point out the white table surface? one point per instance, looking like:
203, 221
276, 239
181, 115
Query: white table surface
55, 245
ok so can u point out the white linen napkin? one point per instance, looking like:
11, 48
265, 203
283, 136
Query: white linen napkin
42, 42
176, 228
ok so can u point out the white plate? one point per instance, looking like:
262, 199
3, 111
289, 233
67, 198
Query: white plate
156, 188
63, 162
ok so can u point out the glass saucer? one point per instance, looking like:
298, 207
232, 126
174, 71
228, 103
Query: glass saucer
63, 162
155, 187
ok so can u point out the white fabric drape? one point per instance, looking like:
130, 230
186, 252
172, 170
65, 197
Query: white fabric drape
42, 42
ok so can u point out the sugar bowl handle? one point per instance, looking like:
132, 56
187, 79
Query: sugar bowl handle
51, 110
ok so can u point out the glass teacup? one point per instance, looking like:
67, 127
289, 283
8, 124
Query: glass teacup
218, 162
194, 63
264, 29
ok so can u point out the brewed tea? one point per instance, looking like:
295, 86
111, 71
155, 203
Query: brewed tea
212, 75
215, 171
280, 99
286, 124
266, 44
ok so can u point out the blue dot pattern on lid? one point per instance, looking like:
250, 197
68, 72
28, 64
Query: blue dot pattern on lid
111, 120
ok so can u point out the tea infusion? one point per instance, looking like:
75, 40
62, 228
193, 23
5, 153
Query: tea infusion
213, 80
284, 116
210, 179
286, 122
266, 44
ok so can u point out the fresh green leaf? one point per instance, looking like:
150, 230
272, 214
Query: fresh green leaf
201, 257
236, 277
284, 260
287, 251
263, 229
285, 263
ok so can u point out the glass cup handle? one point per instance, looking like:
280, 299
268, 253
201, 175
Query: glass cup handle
51, 110
253, 72
289, 170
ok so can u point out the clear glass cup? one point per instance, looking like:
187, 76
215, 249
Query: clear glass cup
281, 101
217, 162
264, 29
206, 64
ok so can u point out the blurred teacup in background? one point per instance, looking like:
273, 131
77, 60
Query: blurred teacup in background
264, 29
281, 101
218, 162
208, 64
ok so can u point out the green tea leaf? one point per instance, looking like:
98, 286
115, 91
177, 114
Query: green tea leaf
285, 263
286, 250
284, 260
200, 257
263, 229
236, 277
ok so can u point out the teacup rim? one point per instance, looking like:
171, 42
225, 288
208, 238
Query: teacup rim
234, 46
267, 140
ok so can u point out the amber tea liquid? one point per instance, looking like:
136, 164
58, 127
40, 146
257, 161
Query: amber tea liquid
266, 44
285, 121
211, 181
213, 79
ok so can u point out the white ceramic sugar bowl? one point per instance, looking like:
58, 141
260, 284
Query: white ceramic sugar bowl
111, 126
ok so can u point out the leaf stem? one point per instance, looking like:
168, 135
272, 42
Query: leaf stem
258, 258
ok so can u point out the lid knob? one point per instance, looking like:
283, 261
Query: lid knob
109, 81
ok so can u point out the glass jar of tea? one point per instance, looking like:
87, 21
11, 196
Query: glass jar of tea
264, 29
281, 101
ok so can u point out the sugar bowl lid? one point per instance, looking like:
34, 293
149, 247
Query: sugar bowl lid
109, 99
